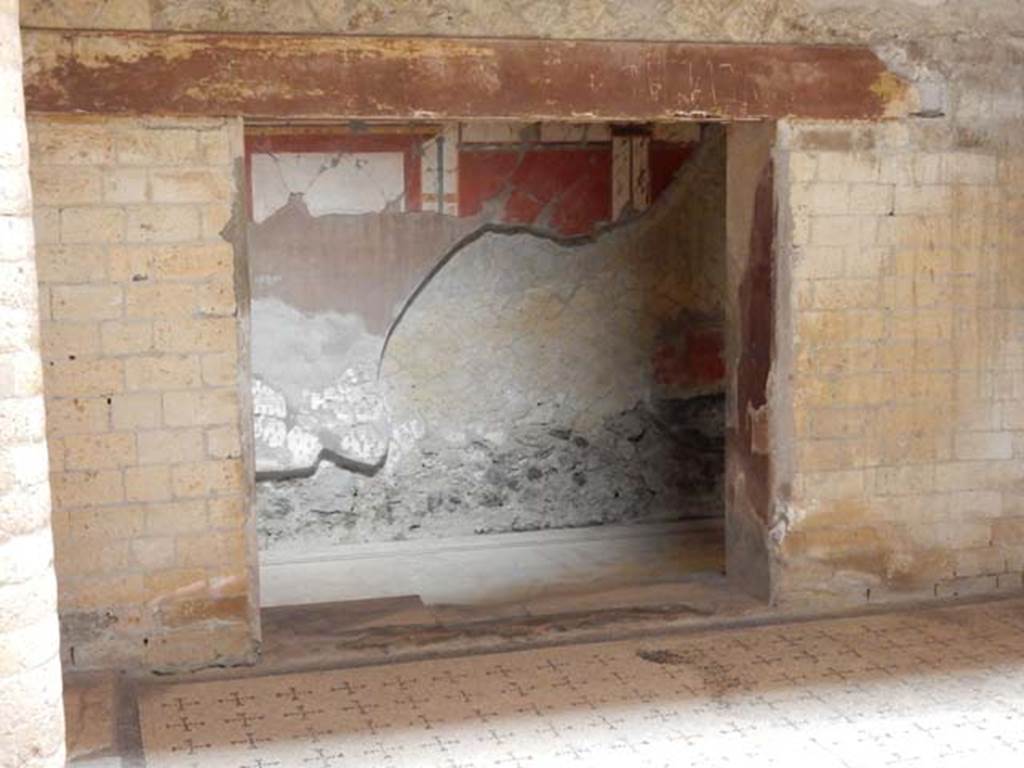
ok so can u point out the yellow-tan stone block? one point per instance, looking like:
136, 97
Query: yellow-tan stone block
126, 338
223, 443
61, 185
82, 378
99, 523
211, 549
82, 263
210, 334
206, 478
227, 512
72, 339
220, 369
162, 372
153, 553
92, 225
157, 147
125, 185
149, 483
192, 261
136, 410
85, 302
169, 446
109, 451
77, 415
84, 489
189, 185
71, 143
161, 224
175, 517
201, 407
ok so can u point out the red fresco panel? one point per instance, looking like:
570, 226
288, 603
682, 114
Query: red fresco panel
566, 190
698, 361
667, 157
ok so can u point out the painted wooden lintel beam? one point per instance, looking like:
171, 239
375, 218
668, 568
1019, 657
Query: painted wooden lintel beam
329, 77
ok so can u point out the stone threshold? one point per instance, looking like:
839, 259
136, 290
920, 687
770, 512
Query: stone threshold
510, 572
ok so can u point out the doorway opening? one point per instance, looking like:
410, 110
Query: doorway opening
489, 371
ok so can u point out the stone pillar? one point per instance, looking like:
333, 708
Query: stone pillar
31, 714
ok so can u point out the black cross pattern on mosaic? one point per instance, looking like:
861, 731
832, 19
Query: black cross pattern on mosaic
259, 762
250, 741
180, 704
887, 690
293, 694
190, 747
185, 723
302, 712
237, 699
324, 758
244, 719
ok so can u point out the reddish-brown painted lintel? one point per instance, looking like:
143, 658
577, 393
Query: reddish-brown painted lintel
274, 76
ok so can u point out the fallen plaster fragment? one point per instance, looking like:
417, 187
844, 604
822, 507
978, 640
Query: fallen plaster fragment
316, 390
303, 449
350, 417
270, 431
270, 428
267, 402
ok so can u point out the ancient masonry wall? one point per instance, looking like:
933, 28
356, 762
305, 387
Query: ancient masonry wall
904, 399
32, 727
142, 324
898, 380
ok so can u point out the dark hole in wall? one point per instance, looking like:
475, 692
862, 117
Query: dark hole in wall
562, 367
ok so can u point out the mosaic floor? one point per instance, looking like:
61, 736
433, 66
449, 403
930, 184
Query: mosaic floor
934, 688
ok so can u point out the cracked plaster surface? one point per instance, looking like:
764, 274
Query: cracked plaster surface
349, 182
519, 346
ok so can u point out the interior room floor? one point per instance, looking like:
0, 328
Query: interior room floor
405, 600
508, 573
931, 687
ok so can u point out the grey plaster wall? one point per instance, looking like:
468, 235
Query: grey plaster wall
518, 387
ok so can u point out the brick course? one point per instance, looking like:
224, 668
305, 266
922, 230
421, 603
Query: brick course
140, 320
905, 387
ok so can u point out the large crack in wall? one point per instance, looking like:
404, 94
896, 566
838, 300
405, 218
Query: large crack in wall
521, 388
325, 290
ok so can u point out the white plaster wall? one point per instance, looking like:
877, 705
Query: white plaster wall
329, 182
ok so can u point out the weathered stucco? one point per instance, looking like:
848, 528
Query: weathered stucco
527, 382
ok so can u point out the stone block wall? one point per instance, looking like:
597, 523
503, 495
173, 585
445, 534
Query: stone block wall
900, 269
142, 327
32, 725
896, 429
